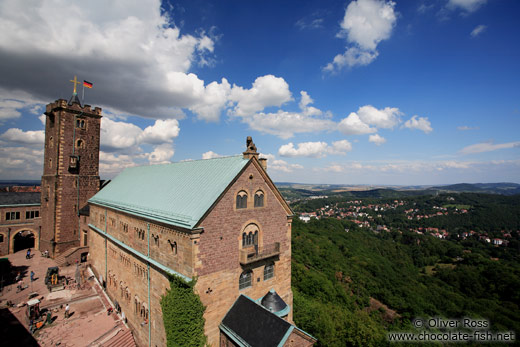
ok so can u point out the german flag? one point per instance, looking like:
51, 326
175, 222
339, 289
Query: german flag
87, 84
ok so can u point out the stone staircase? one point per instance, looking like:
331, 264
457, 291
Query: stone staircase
69, 256
123, 338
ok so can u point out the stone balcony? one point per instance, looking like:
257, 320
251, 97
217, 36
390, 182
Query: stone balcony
251, 254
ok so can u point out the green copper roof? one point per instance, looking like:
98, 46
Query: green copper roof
178, 193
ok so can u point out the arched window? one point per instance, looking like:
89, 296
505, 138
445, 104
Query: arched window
173, 246
137, 304
51, 142
259, 199
1, 238
246, 280
242, 200
80, 123
250, 239
250, 235
269, 271
80, 144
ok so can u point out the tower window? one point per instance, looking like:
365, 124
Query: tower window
80, 144
245, 280
241, 200
259, 199
80, 123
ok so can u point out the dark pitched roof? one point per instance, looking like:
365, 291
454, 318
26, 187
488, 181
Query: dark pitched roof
17, 198
74, 99
85, 210
255, 325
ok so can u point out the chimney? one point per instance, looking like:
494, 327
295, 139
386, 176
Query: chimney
250, 149
263, 162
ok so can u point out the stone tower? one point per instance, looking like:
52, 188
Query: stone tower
70, 171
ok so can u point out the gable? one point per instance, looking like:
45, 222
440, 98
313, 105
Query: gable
267, 181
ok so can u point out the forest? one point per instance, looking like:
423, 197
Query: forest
352, 285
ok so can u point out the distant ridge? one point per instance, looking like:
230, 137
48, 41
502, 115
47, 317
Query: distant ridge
6, 183
299, 190
491, 188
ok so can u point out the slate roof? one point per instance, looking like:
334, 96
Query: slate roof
19, 198
178, 193
250, 324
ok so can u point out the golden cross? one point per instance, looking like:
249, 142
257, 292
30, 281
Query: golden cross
75, 81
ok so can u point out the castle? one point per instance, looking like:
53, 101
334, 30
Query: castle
221, 222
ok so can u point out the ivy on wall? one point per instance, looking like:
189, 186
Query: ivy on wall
183, 314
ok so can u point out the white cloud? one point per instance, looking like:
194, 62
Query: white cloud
466, 5
384, 118
312, 21
285, 124
163, 131
352, 125
266, 91
340, 147
274, 164
478, 30
420, 123
212, 101
22, 162
118, 135
378, 140
137, 58
305, 149
111, 164
305, 101
12, 102
24, 137
488, 147
124, 142
161, 154
366, 23
423, 8
353, 56
315, 149
9, 109
466, 128
210, 155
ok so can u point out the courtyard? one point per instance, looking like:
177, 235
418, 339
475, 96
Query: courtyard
89, 322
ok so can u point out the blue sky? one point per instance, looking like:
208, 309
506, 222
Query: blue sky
345, 92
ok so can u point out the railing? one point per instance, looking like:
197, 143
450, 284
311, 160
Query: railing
252, 254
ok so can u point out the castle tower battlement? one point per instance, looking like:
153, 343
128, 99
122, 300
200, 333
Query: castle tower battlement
70, 171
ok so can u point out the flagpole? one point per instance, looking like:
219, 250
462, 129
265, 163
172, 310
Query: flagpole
83, 96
